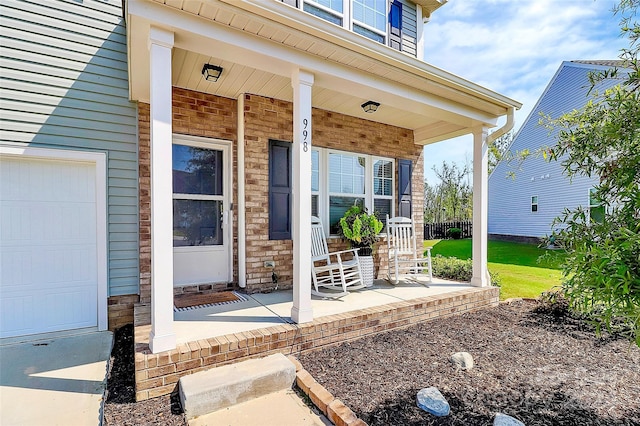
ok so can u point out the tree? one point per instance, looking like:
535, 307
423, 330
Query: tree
602, 269
452, 197
498, 150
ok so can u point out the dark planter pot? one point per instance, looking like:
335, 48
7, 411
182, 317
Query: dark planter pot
365, 251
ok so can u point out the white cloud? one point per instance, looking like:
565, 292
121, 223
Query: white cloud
515, 47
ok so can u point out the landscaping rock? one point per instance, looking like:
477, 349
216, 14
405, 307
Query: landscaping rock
504, 420
462, 360
432, 401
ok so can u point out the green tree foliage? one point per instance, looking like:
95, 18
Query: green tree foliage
499, 149
602, 269
452, 197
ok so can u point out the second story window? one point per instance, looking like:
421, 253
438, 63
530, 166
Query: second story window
330, 10
370, 18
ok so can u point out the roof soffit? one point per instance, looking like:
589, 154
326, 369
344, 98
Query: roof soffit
289, 26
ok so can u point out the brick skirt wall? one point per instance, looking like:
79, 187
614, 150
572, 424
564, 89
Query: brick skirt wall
120, 310
158, 374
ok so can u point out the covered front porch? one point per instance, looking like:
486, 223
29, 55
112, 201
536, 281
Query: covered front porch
283, 83
261, 325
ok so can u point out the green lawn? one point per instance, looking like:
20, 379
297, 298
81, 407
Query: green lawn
521, 272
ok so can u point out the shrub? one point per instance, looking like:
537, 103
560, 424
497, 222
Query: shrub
451, 268
455, 233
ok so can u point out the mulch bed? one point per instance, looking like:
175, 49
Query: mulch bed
539, 366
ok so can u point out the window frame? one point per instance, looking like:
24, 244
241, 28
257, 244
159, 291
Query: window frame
591, 206
324, 193
214, 145
347, 19
535, 204
383, 33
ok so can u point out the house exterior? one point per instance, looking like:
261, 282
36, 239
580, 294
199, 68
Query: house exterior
522, 208
125, 170
68, 168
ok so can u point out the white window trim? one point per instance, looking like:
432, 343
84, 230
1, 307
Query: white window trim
343, 15
225, 147
537, 204
347, 17
383, 33
369, 196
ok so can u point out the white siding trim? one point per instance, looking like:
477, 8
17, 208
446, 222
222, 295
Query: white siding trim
100, 161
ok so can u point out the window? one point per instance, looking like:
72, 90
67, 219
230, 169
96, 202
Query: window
341, 179
346, 185
197, 196
329, 10
370, 18
382, 188
315, 182
534, 203
596, 209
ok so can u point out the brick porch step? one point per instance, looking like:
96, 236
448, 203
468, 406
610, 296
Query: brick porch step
208, 391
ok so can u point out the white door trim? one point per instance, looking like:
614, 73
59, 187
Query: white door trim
100, 161
226, 146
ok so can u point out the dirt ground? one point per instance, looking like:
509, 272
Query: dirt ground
539, 366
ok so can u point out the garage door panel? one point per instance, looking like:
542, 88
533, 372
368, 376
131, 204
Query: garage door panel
48, 246
17, 310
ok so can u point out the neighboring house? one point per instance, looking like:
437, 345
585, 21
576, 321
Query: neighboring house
191, 184
522, 207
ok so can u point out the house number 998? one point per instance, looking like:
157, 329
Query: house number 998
305, 134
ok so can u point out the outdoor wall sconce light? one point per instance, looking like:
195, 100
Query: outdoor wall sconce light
370, 107
211, 72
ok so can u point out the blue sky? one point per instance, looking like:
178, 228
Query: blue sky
514, 47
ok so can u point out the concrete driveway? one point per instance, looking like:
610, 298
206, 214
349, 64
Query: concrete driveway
54, 380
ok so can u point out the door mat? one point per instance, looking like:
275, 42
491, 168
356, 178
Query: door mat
186, 302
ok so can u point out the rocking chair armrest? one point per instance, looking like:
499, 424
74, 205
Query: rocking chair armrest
355, 251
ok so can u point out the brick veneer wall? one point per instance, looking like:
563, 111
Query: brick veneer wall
266, 119
200, 114
158, 374
120, 310
195, 114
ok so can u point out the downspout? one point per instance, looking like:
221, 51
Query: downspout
491, 138
242, 237
504, 129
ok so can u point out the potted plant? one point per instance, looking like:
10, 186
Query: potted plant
361, 229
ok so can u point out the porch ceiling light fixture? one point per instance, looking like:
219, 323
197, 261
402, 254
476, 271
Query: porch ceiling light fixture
370, 107
211, 72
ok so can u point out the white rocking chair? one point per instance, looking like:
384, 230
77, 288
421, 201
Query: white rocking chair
331, 270
403, 254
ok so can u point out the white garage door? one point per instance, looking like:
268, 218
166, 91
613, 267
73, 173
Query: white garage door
48, 242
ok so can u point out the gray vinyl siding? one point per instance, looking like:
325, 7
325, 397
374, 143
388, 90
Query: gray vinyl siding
64, 85
409, 29
510, 199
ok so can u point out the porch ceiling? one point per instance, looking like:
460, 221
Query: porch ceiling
237, 79
260, 43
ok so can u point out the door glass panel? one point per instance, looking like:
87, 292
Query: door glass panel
197, 170
197, 223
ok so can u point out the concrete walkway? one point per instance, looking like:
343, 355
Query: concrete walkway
54, 381
281, 408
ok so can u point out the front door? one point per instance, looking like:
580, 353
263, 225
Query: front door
201, 214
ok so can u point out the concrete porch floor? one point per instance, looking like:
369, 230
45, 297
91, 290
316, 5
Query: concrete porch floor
263, 310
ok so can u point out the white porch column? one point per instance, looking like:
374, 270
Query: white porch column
162, 337
301, 311
480, 276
